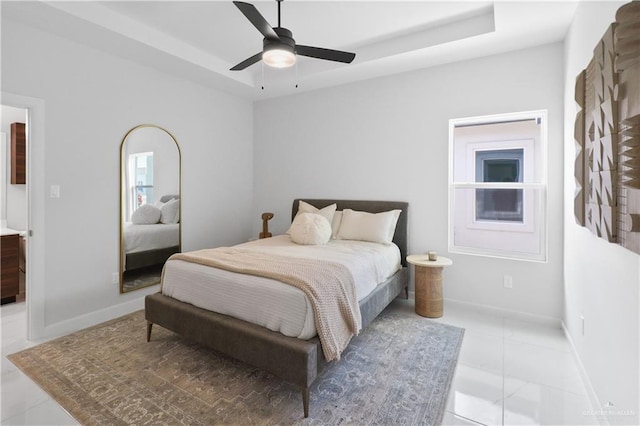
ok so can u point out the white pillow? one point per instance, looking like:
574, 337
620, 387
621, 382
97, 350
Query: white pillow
310, 229
146, 214
170, 211
364, 226
326, 212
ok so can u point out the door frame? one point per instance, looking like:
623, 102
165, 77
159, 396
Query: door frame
34, 274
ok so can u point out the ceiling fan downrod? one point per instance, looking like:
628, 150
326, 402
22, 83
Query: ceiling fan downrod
279, 1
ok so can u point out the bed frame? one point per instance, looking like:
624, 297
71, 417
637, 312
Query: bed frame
294, 360
143, 259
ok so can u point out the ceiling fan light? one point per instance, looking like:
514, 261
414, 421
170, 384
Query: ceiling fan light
279, 58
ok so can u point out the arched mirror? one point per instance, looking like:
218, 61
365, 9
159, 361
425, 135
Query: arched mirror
150, 219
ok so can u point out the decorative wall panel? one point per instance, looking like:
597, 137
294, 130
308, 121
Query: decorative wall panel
607, 134
579, 165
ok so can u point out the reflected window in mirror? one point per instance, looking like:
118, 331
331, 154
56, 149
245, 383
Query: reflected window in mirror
150, 225
140, 180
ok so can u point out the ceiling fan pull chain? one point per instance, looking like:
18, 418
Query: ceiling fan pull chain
263, 76
296, 74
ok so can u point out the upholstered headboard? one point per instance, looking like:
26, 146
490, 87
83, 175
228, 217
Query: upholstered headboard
399, 238
166, 198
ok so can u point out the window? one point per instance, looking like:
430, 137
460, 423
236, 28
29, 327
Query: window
141, 186
497, 185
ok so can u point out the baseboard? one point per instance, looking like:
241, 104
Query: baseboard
93, 318
521, 316
596, 406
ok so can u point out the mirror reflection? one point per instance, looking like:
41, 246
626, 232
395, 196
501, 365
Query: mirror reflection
150, 223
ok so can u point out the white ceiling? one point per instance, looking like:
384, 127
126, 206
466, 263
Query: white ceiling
201, 40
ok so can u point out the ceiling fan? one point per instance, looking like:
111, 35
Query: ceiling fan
279, 48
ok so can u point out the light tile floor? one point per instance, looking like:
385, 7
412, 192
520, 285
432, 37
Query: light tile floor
510, 372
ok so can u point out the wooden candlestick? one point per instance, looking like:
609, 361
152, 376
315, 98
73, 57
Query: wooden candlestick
265, 225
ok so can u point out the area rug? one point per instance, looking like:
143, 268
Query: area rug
397, 371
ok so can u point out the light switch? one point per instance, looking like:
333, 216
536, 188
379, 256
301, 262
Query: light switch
54, 192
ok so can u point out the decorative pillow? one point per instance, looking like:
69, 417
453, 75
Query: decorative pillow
310, 229
326, 212
170, 211
146, 214
364, 226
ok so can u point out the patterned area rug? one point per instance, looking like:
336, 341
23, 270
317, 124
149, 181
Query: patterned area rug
397, 371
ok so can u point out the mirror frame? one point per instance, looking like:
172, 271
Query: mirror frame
121, 204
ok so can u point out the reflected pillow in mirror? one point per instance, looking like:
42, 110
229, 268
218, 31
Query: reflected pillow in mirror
170, 211
310, 229
146, 214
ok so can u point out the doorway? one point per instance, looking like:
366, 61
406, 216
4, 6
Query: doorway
35, 212
13, 202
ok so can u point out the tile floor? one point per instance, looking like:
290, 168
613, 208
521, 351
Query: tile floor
510, 372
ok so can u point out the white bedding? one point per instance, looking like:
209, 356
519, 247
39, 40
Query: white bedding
139, 238
270, 303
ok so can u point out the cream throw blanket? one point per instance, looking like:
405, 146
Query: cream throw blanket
328, 285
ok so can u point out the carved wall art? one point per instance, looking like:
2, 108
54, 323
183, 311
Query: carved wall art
607, 134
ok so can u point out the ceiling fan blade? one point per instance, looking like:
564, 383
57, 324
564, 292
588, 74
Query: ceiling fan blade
247, 62
257, 19
327, 54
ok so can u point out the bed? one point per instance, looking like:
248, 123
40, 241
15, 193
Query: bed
150, 244
296, 360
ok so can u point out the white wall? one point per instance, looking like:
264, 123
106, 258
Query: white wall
14, 202
601, 279
388, 139
91, 100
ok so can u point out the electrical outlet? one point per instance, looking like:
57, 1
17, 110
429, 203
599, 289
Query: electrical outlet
508, 281
115, 278
54, 191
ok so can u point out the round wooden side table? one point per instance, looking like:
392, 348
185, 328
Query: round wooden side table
428, 284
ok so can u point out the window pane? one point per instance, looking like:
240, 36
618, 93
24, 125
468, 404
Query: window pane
144, 178
499, 165
499, 205
511, 229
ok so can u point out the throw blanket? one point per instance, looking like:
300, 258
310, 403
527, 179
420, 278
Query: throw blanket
328, 285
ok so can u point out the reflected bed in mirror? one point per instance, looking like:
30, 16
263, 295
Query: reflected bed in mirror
150, 222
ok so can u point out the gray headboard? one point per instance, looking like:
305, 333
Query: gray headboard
166, 198
399, 238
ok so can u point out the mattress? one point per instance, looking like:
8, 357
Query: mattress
139, 238
271, 303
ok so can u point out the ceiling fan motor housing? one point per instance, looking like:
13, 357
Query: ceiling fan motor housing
286, 41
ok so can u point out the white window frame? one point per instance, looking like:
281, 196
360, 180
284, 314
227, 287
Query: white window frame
534, 192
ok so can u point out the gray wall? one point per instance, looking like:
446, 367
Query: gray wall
602, 280
91, 99
388, 139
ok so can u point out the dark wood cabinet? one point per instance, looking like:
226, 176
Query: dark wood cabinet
18, 154
10, 269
